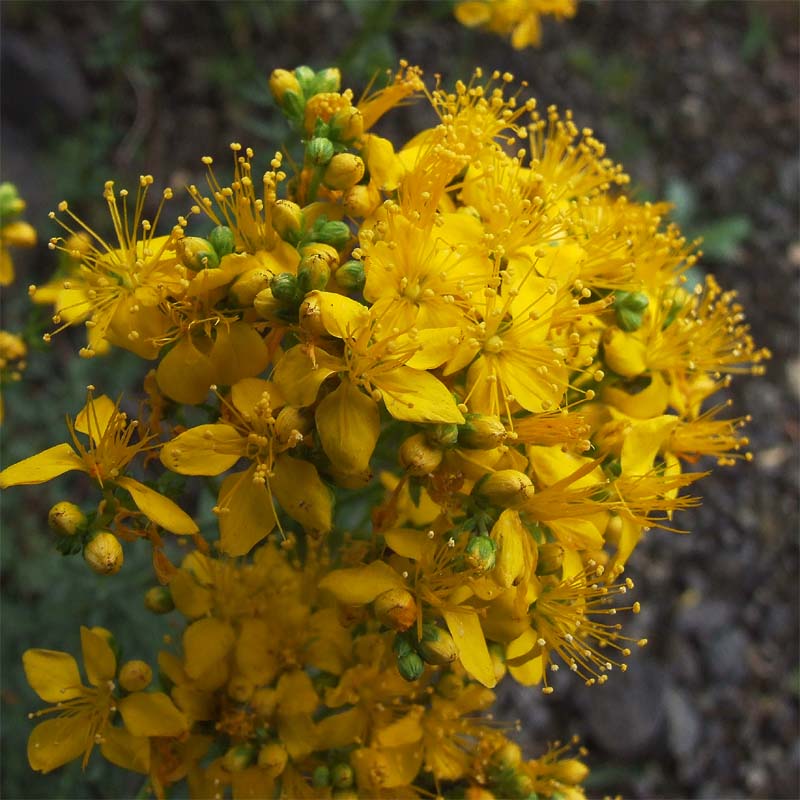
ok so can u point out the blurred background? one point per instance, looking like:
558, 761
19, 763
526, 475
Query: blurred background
698, 99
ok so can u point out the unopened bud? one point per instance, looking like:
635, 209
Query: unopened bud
341, 776
551, 557
410, 666
332, 232
350, 276
249, 284
450, 685
343, 171
135, 676
282, 81
320, 777
273, 758
290, 423
482, 432
417, 457
327, 80
314, 270
66, 519
347, 124
361, 200
629, 308
508, 756
319, 151
239, 757
436, 645
284, 288
222, 240
267, 306
19, 234
11, 203
159, 600
481, 553
444, 435
396, 608
570, 771
197, 253
104, 554
287, 219
311, 316
506, 488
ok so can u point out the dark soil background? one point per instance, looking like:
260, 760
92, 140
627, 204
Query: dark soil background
699, 100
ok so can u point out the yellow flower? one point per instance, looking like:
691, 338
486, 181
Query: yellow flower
109, 451
13, 232
85, 713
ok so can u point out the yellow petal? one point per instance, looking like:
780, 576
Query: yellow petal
297, 734
247, 392
55, 742
302, 494
255, 656
385, 168
385, 768
348, 423
407, 542
42, 467
436, 345
238, 352
152, 714
551, 464
341, 316
185, 373
159, 509
465, 628
204, 450
246, 513
472, 13
52, 675
341, 730
6, 267
298, 377
205, 643
416, 396
94, 417
126, 751
99, 660
650, 402
190, 598
526, 670
406, 730
625, 353
643, 442
359, 585
296, 694
578, 534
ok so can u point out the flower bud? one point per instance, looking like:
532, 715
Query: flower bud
135, 676
361, 200
222, 240
437, 646
570, 771
66, 519
327, 80
350, 276
282, 81
320, 777
319, 151
506, 488
11, 203
331, 232
629, 308
264, 701
292, 424
19, 234
551, 557
314, 270
287, 219
159, 600
311, 317
273, 758
508, 756
249, 284
197, 253
444, 435
267, 306
520, 785
284, 288
624, 352
341, 776
410, 666
450, 685
509, 535
239, 757
343, 171
481, 553
417, 457
482, 432
396, 608
347, 124
104, 554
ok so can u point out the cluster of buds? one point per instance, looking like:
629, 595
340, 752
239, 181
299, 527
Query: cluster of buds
439, 389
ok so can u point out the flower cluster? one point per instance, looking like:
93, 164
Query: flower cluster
522, 19
438, 390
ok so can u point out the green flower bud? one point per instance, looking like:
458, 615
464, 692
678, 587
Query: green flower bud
11, 204
437, 646
341, 776
304, 76
334, 233
402, 646
273, 758
320, 777
343, 171
443, 435
197, 253
239, 757
222, 240
629, 308
482, 432
284, 288
104, 554
410, 666
135, 676
287, 219
326, 80
506, 488
315, 267
319, 150
66, 519
159, 600
481, 553
507, 757
350, 276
